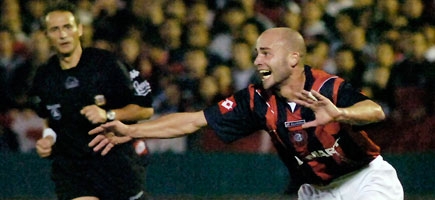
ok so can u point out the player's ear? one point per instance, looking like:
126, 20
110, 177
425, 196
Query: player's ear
80, 29
294, 58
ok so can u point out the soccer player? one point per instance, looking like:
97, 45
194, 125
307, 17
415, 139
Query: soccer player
313, 118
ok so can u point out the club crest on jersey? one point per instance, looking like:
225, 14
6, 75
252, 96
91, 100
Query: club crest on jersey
291, 124
71, 82
299, 139
227, 105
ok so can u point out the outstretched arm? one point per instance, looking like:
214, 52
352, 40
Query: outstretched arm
168, 126
130, 112
361, 113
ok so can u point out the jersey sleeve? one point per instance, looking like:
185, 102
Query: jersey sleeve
121, 91
142, 89
348, 95
232, 118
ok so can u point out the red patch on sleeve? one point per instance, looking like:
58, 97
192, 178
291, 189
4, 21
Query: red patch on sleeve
227, 105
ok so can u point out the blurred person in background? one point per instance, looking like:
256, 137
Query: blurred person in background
199, 12
32, 15
344, 22
318, 54
197, 35
348, 67
410, 96
170, 32
413, 11
111, 22
429, 32
291, 17
11, 17
242, 70
386, 16
377, 74
168, 100
226, 25
313, 24
222, 73
25, 123
10, 62
412, 75
175, 9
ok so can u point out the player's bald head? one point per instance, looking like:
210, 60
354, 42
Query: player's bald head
285, 37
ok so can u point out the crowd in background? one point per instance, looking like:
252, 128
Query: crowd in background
196, 52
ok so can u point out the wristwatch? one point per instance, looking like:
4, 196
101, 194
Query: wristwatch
110, 114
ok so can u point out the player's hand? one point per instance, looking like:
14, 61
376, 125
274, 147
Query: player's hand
105, 142
94, 114
109, 135
325, 111
43, 146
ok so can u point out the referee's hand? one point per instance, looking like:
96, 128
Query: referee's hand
94, 114
43, 146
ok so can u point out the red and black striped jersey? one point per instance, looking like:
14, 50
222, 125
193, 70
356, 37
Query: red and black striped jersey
317, 155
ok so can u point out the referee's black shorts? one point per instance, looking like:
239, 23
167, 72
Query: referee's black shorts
114, 176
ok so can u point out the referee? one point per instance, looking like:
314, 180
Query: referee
75, 91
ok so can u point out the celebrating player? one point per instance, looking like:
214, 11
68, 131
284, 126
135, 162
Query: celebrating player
313, 118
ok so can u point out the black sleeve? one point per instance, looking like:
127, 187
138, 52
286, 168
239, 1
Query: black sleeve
347, 94
121, 91
142, 89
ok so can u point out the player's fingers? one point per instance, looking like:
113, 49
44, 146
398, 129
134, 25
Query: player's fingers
101, 145
96, 130
309, 124
316, 95
96, 140
107, 149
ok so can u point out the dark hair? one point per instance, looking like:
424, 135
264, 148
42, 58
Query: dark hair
61, 5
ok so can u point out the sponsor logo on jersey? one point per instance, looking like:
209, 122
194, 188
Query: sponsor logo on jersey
290, 124
328, 152
227, 105
54, 111
141, 88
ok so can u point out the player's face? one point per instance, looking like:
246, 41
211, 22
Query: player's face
272, 61
63, 32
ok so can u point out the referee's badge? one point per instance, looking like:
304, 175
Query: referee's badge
71, 82
100, 100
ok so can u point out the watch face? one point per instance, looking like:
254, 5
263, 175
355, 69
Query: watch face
110, 115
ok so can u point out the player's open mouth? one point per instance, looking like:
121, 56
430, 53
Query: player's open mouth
64, 44
265, 74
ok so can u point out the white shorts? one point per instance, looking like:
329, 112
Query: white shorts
376, 181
